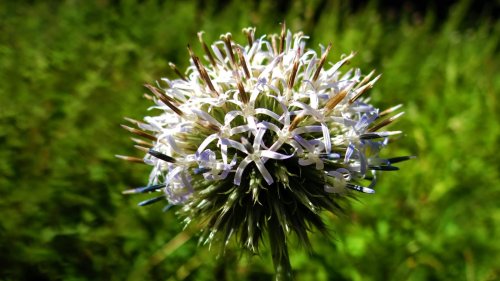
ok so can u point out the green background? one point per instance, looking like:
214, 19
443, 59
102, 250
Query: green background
70, 70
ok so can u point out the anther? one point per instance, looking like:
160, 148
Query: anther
250, 33
385, 122
141, 142
363, 89
201, 70
144, 189
322, 62
166, 100
243, 63
390, 110
176, 70
142, 148
151, 201
161, 156
291, 79
335, 100
227, 41
282, 37
133, 121
243, 94
206, 49
130, 159
139, 132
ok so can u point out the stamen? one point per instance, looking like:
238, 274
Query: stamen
158, 93
243, 94
282, 37
385, 122
206, 49
330, 156
291, 79
369, 136
208, 125
247, 145
161, 156
250, 33
176, 70
144, 189
201, 70
151, 201
322, 62
198, 171
133, 121
359, 92
365, 79
141, 142
142, 148
148, 97
130, 159
243, 63
296, 122
389, 110
166, 100
363, 89
167, 207
273, 44
227, 41
383, 168
139, 133
360, 188
332, 102
400, 159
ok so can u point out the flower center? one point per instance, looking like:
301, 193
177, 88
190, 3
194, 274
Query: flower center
248, 111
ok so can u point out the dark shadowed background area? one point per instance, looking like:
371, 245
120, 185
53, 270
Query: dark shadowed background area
70, 71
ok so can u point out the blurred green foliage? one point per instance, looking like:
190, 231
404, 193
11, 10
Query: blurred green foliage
70, 70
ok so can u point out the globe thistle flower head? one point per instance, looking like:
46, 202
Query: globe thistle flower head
262, 137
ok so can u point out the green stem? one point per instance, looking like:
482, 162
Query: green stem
281, 260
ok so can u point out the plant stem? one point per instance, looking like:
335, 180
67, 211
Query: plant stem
281, 260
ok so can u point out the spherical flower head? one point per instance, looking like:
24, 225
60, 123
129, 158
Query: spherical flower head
262, 138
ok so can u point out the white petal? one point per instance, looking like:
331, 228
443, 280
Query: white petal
326, 137
265, 173
307, 109
239, 171
173, 173
348, 153
304, 143
231, 115
234, 144
253, 97
251, 123
206, 142
307, 129
276, 145
223, 152
268, 113
239, 129
269, 126
274, 155
218, 54
297, 147
257, 142
207, 117
171, 141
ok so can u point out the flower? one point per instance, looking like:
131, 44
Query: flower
263, 138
